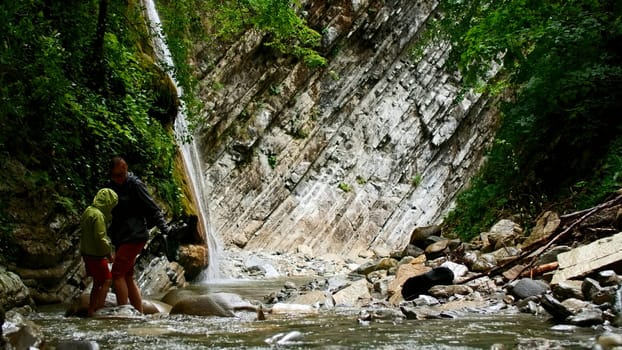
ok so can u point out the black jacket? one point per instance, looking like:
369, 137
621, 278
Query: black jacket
135, 213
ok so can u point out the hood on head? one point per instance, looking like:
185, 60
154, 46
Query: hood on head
105, 200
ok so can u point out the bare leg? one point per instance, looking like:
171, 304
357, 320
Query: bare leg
101, 294
134, 293
93, 300
120, 289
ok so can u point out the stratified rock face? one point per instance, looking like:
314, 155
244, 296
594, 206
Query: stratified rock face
341, 159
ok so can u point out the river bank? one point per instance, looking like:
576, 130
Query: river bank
493, 293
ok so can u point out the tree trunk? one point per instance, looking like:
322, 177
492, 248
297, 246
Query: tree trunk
99, 70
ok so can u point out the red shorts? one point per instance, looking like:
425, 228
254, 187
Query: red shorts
125, 258
97, 268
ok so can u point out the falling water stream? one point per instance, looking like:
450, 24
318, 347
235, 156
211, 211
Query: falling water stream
188, 149
336, 328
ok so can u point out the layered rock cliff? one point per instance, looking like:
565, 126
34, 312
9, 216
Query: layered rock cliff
345, 158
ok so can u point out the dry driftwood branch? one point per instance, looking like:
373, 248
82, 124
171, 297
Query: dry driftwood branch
584, 215
538, 270
574, 224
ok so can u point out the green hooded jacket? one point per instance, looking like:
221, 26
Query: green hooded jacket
94, 241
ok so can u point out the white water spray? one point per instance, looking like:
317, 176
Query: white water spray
188, 150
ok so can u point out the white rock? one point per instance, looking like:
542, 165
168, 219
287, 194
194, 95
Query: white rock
459, 270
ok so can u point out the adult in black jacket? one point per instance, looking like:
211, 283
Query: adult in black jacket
135, 213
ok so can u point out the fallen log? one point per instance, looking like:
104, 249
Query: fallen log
537, 246
538, 270
570, 227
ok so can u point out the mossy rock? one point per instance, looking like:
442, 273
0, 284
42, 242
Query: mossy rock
166, 102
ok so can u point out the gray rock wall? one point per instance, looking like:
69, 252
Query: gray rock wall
341, 159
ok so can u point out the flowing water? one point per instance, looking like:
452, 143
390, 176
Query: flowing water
188, 147
330, 329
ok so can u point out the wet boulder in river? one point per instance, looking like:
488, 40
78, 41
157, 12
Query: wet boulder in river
201, 305
212, 304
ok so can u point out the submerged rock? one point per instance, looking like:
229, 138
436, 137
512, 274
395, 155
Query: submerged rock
419, 313
292, 337
292, 309
20, 332
118, 312
77, 345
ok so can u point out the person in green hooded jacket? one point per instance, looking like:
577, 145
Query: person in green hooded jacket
95, 245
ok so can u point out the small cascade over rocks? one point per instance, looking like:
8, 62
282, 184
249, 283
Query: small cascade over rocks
187, 148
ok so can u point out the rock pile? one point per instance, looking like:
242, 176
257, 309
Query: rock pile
501, 270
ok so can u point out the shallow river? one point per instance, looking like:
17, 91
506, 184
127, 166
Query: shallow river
335, 329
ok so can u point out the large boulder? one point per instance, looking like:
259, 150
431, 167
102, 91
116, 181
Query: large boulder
420, 234
356, 294
212, 304
504, 234
177, 294
546, 225
13, 292
202, 305
414, 267
160, 276
194, 259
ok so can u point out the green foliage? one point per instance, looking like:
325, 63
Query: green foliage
56, 120
415, 181
301, 133
561, 65
286, 31
216, 85
274, 90
604, 181
272, 160
345, 187
360, 180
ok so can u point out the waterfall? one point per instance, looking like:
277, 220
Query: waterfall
189, 149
